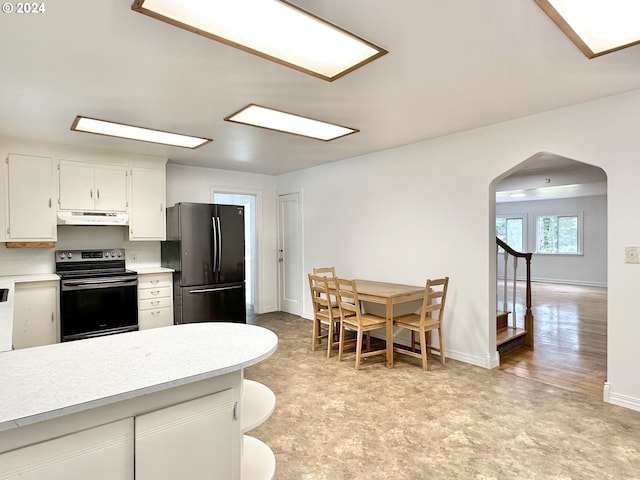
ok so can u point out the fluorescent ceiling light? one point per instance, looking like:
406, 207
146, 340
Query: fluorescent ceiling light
103, 127
272, 29
596, 26
264, 117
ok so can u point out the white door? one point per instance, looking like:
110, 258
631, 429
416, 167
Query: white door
31, 208
111, 188
290, 253
197, 439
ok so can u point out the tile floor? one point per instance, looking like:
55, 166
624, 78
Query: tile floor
454, 422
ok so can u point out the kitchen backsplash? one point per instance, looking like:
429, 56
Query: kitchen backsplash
27, 261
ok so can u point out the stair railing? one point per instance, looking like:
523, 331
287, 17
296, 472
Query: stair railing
528, 315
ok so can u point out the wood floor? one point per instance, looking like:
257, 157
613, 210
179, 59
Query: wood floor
570, 338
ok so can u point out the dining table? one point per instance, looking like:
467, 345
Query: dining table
388, 294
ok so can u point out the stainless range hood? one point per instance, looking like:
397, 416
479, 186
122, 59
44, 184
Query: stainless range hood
92, 218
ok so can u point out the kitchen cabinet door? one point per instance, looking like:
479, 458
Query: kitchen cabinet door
31, 186
89, 186
99, 453
111, 188
147, 209
76, 185
197, 439
35, 314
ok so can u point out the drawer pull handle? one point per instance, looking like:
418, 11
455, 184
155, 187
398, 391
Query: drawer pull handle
155, 302
155, 292
155, 313
155, 282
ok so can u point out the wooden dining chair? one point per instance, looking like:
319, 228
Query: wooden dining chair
422, 324
326, 317
330, 273
352, 318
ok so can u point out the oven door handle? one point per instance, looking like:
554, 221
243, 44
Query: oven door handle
117, 282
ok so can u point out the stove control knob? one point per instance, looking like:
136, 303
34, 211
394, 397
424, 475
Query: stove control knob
61, 255
69, 255
118, 254
106, 254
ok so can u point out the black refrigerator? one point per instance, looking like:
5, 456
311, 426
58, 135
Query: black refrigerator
205, 248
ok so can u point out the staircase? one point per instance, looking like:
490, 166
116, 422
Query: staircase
509, 336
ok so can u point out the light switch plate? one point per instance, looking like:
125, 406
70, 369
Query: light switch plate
631, 255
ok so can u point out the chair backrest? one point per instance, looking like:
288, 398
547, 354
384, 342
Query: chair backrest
347, 295
434, 299
329, 272
319, 287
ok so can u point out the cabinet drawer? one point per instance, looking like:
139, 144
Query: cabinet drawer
159, 317
154, 303
153, 280
156, 292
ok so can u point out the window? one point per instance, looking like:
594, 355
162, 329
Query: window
510, 229
558, 234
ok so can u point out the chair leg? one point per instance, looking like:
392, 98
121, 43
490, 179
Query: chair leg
423, 349
341, 342
368, 341
329, 339
442, 358
413, 341
358, 349
314, 339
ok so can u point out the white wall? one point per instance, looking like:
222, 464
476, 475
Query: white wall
195, 184
588, 268
428, 209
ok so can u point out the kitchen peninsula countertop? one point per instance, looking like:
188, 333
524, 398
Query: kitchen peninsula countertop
52, 381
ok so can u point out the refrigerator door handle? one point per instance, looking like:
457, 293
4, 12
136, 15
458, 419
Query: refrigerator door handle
219, 244
209, 290
214, 245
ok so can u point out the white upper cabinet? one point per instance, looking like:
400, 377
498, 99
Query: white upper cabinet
147, 209
30, 201
93, 186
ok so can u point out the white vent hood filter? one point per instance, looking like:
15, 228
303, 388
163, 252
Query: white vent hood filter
92, 218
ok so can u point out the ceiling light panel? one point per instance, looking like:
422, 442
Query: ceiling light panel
258, 116
112, 129
271, 29
596, 26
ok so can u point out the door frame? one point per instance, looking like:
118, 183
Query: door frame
256, 269
301, 283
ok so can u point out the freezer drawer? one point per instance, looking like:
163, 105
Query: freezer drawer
211, 303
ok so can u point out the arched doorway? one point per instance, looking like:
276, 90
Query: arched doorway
555, 208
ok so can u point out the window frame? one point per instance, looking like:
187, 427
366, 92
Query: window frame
579, 237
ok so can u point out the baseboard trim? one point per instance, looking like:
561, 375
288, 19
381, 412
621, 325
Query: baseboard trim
558, 281
488, 361
619, 399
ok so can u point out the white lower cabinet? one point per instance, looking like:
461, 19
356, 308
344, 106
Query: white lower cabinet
35, 314
191, 440
155, 300
99, 453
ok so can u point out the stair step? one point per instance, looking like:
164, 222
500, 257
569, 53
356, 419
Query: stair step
504, 335
502, 320
509, 339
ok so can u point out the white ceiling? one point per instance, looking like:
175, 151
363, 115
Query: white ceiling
452, 65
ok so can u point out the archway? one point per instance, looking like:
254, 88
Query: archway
555, 208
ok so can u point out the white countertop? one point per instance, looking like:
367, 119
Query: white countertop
51, 381
145, 270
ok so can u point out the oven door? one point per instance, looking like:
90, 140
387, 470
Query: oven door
91, 307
